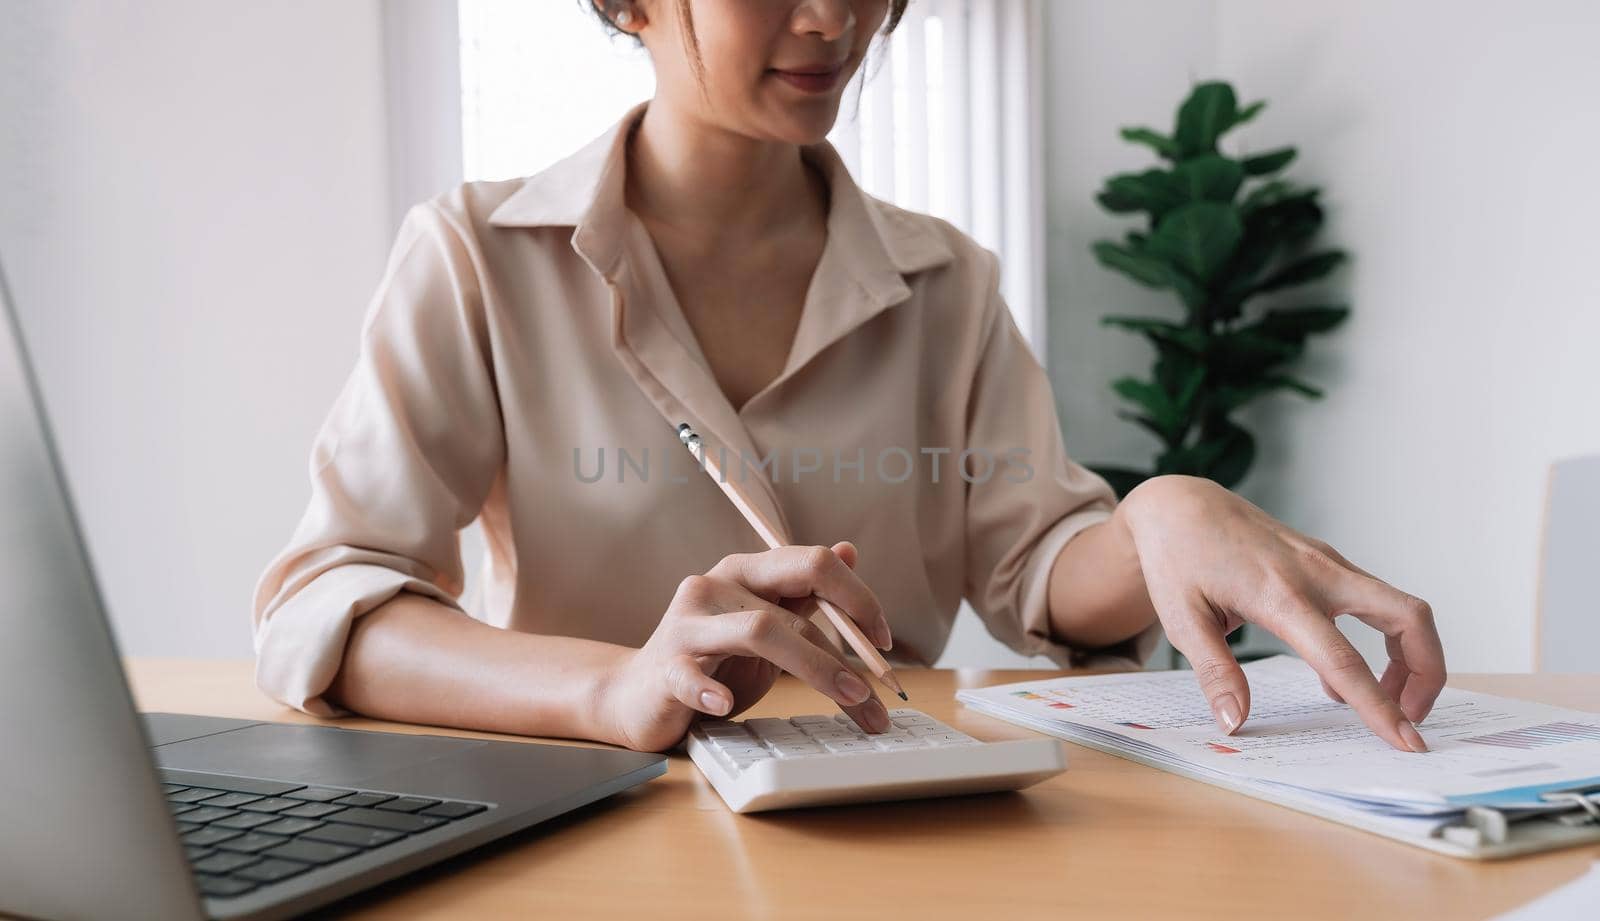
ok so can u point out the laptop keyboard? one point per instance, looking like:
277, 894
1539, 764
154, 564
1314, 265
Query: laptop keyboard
242, 833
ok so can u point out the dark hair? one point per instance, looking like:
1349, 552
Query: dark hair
897, 9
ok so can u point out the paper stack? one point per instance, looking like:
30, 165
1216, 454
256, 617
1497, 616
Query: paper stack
1502, 776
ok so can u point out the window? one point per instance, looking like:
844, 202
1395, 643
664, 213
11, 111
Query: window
942, 119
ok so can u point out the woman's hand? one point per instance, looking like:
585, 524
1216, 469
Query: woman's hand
1213, 561
726, 636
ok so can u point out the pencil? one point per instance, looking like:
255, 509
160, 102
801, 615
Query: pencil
769, 533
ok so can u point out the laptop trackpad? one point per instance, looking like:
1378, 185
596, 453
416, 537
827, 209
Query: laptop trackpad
308, 754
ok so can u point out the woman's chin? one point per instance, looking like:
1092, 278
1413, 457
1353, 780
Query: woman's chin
802, 125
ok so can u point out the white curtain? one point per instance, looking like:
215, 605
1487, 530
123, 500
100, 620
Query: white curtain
949, 122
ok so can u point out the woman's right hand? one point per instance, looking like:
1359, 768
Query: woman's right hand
726, 636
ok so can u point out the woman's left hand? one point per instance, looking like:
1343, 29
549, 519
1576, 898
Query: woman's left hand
1212, 561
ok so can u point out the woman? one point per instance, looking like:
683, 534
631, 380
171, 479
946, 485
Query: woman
710, 261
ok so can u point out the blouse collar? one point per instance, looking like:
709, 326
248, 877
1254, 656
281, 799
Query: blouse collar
585, 191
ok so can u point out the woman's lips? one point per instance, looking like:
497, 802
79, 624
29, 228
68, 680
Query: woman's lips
814, 82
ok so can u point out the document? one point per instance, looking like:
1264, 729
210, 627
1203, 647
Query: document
1300, 748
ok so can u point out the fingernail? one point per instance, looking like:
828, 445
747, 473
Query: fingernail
877, 718
851, 688
882, 637
1226, 710
1412, 737
714, 703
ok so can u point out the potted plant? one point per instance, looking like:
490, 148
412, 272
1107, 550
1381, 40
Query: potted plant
1219, 232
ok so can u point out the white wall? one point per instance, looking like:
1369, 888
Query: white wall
1455, 143
194, 217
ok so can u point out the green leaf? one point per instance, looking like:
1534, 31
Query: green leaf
1155, 191
1266, 193
1145, 422
1242, 356
1285, 382
1289, 220
1188, 390
1148, 269
1248, 112
1159, 331
1223, 452
1210, 110
1121, 479
1271, 162
1282, 218
1296, 323
1237, 454
1161, 416
1301, 271
1198, 238
1211, 177
1145, 270
1191, 460
1160, 143
1150, 397
1226, 399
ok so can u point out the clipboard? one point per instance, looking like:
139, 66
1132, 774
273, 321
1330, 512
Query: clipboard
1486, 833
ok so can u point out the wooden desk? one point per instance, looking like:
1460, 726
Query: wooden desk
1109, 838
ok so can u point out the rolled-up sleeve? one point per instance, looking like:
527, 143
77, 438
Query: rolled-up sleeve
403, 461
1035, 501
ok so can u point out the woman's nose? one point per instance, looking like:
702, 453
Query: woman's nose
826, 19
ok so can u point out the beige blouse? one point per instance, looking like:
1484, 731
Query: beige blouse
524, 361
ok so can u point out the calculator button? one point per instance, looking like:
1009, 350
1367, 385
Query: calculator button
795, 751
896, 744
951, 738
851, 745
767, 724
830, 730
722, 729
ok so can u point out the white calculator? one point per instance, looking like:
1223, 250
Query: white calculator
762, 764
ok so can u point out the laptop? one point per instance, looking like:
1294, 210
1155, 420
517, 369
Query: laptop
107, 814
